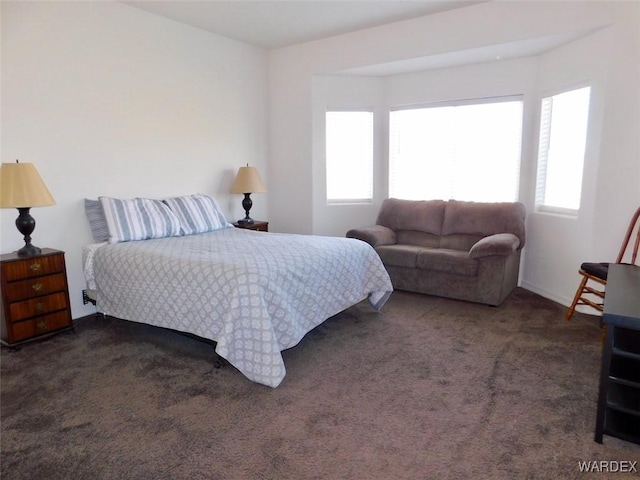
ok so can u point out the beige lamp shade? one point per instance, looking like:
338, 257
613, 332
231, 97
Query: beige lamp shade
21, 186
248, 180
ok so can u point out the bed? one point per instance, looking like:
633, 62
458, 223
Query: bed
254, 294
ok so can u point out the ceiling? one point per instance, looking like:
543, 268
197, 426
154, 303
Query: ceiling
489, 53
280, 23
272, 24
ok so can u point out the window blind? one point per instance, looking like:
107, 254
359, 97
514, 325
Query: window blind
465, 150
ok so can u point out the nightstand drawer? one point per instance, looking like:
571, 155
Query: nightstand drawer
38, 306
40, 325
41, 265
35, 287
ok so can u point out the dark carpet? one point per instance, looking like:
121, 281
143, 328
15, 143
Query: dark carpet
429, 388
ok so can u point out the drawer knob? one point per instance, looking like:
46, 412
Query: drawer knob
37, 287
39, 306
42, 325
35, 267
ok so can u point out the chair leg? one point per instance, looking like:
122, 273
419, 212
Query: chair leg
579, 292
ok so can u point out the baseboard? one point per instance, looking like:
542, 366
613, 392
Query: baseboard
547, 294
566, 301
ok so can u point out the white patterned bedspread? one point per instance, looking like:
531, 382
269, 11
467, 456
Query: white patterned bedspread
254, 293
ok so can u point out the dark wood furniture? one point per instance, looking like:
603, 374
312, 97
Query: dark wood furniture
619, 398
258, 226
35, 296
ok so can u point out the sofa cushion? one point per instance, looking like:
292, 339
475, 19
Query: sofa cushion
399, 255
459, 241
483, 219
448, 261
420, 215
422, 239
498, 244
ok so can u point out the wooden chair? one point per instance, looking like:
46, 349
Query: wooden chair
594, 275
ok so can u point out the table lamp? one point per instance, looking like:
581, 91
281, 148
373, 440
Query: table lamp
248, 181
21, 187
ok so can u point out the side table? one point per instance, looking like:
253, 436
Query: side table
258, 226
35, 296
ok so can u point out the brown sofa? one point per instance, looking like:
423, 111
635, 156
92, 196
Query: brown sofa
463, 250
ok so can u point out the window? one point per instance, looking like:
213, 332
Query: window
464, 150
349, 144
561, 149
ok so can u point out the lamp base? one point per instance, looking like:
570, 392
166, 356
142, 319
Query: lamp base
29, 251
247, 203
26, 224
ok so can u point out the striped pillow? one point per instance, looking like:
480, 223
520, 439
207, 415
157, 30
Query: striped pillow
197, 213
138, 219
97, 222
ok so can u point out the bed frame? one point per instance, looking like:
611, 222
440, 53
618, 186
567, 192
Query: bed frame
89, 296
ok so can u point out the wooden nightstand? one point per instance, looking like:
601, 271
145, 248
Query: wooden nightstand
257, 225
35, 296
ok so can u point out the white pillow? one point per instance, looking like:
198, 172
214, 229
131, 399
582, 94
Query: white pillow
197, 213
138, 219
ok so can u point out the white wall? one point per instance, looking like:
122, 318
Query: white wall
331, 92
106, 99
380, 94
610, 58
580, 63
109, 100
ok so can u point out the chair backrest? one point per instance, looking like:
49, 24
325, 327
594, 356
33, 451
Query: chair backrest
631, 239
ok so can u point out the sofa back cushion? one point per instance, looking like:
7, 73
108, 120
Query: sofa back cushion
414, 237
414, 215
477, 220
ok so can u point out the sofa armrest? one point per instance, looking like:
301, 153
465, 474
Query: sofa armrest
374, 235
498, 244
